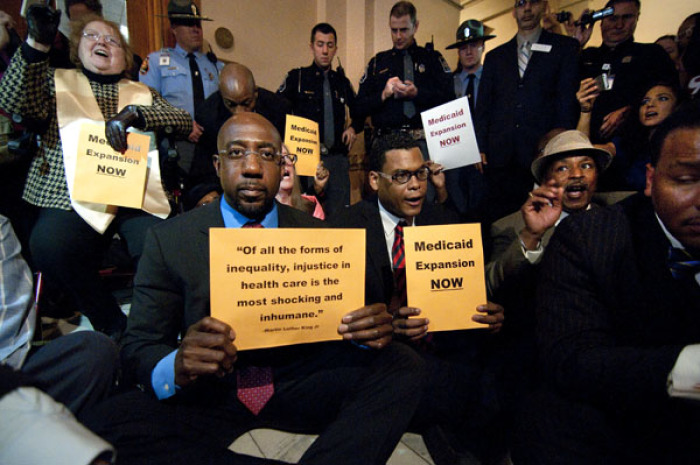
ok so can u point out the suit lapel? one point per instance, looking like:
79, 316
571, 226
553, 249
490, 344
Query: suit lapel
377, 255
682, 298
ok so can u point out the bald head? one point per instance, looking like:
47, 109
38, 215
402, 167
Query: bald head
247, 165
237, 87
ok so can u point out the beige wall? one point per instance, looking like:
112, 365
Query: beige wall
272, 37
658, 17
269, 38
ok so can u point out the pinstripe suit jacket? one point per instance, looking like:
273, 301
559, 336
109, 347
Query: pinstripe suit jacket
611, 319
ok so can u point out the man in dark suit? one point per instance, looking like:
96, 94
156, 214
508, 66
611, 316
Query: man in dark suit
399, 177
528, 87
327, 388
237, 93
618, 314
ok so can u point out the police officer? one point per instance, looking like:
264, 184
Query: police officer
184, 75
319, 93
402, 82
466, 184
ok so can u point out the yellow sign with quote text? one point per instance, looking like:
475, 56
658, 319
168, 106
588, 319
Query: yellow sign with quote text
302, 140
279, 287
105, 176
445, 274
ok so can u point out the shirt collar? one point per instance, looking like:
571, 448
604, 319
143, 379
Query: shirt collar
234, 219
532, 37
463, 74
181, 51
389, 220
674, 242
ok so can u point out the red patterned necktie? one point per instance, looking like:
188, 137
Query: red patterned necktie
398, 263
255, 385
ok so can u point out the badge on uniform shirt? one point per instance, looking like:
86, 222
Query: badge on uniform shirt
627, 59
144, 67
421, 68
164, 60
211, 76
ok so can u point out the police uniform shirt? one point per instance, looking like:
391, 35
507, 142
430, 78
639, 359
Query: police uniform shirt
168, 72
303, 87
431, 75
461, 81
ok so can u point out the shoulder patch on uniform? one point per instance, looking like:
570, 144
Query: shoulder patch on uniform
445, 67
364, 76
284, 84
144, 66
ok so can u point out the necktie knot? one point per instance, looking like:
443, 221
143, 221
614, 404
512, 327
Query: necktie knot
253, 224
681, 264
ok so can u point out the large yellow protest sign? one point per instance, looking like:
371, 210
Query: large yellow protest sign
279, 287
445, 274
302, 139
105, 176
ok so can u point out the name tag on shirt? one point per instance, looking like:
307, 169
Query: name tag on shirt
546, 48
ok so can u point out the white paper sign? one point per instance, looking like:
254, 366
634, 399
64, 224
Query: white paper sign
449, 133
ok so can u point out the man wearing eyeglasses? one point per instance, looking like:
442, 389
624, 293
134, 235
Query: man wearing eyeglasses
184, 75
237, 94
629, 68
399, 177
359, 394
527, 88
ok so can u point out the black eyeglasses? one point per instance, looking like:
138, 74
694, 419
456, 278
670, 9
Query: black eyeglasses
265, 154
403, 176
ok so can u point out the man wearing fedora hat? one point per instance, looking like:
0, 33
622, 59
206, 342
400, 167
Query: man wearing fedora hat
184, 75
466, 185
567, 170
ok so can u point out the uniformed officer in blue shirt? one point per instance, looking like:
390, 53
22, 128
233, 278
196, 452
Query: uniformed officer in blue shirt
184, 75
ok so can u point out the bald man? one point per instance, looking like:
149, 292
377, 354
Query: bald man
237, 94
358, 396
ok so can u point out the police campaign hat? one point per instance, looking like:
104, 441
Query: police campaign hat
469, 31
184, 11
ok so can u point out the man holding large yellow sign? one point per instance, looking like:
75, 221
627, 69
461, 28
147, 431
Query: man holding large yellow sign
432, 279
216, 392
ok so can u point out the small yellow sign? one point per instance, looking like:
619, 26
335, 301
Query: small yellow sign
105, 176
302, 139
279, 287
445, 274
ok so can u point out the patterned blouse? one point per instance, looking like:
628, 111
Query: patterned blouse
28, 89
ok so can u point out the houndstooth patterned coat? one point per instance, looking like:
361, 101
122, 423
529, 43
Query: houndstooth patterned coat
28, 89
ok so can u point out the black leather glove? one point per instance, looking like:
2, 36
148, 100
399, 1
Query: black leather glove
115, 129
42, 22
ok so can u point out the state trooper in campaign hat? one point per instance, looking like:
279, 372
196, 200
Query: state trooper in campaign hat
179, 10
469, 31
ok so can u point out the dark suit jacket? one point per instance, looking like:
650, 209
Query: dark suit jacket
171, 290
612, 320
213, 113
513, 113
379, 282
